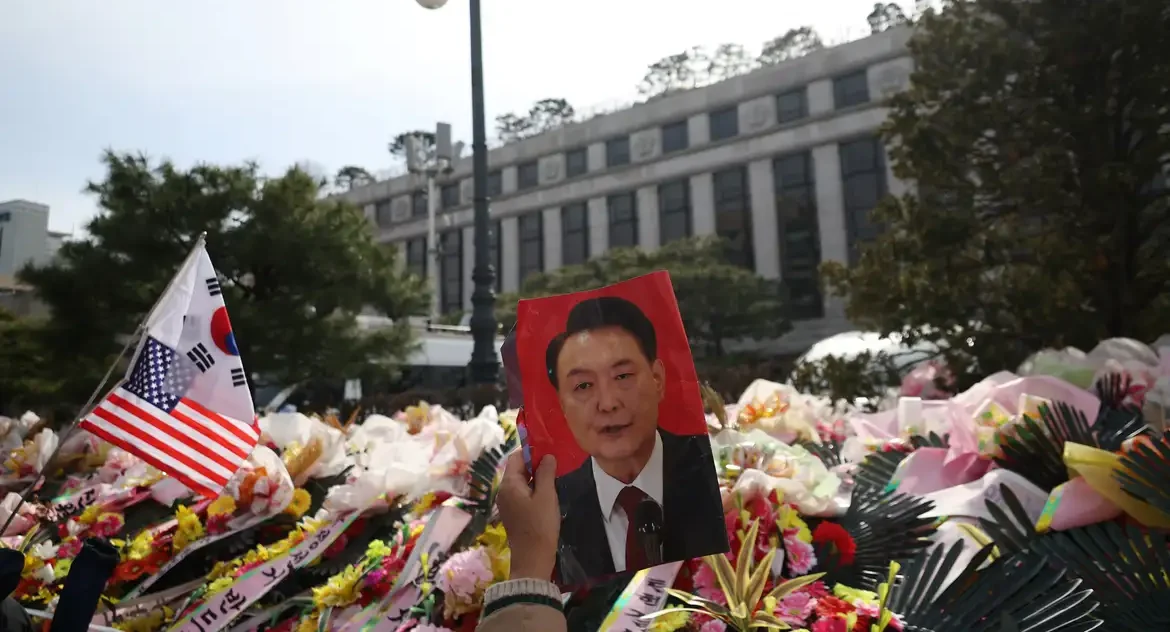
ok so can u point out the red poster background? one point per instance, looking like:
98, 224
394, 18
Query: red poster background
539, 320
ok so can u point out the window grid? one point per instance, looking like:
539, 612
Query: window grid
416, 256
674, 211
851, 89
863, 184
418, 204
449, 195
495, 183
574, 234
622, 209
451, 272
617, 151
792, 106
724, 123
675, 137
800, 240
576, 162
383, 213
531, 228
527, 175
733, 214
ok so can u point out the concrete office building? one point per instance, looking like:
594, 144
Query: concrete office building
24, 238
784, 161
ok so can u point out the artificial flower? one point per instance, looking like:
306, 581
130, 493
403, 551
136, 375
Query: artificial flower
463, 578
188, 530
835, 537
224, 505
677, 619
340, 590
301, 501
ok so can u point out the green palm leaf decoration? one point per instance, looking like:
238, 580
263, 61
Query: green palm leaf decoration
1010, 593
1010, 527
1145, 472
483, 479
1034, 448
885, 527
1117, 421
876, 470
932, 440
1125, 566
829, 452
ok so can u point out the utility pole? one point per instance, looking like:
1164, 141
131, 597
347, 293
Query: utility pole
432, 163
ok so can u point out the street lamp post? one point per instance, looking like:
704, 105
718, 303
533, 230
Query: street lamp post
484, 366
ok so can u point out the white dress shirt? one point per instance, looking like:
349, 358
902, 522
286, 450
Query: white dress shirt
649, 480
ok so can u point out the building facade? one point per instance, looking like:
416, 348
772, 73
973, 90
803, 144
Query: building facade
784, 161
24, 238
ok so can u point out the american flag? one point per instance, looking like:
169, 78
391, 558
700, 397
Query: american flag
149, 416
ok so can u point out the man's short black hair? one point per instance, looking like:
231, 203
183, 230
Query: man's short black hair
599, 313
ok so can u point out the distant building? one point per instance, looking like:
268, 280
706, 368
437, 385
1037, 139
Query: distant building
784, 161
24, 238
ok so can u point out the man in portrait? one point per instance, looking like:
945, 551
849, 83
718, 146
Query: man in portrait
644, 496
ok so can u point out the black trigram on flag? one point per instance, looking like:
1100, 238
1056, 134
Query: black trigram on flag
213, 287
202, 359
238, 378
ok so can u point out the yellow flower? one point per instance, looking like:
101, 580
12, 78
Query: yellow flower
90, 515
852, 594
220, 585
223, 506
258, 554
423, 504
188, 530
378, 550
44, 594
61, 568
341, 590
142, 546
494, 537
308, 624
788, 518
676, 620
153, 620
300, 503
32, 564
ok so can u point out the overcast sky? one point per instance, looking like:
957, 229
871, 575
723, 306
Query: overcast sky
282, 81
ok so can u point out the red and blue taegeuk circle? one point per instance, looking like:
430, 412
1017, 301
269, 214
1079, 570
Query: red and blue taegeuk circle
222, 334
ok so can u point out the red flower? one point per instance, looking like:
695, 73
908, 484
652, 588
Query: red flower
831, 606
838, 538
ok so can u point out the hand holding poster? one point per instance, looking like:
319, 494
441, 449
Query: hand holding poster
610, 389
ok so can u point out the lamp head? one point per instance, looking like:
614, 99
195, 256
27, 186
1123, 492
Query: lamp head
431, 4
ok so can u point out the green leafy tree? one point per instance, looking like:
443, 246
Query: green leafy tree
397, 145
720, 303
351, 176
1035, 136
545, 115
793, 44
295, 269
28, 380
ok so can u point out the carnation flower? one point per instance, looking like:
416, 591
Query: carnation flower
795, 608
799, 555
463, 578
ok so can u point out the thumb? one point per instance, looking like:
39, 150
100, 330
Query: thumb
546, 476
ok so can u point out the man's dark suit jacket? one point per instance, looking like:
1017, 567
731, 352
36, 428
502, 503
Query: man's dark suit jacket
692, 512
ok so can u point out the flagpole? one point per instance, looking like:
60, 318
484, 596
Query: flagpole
97, 392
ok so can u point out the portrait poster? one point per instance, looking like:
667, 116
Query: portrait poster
610, 389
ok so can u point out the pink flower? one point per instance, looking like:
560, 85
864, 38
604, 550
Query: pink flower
832, 624
108, 525
795, 608
376, 577
800, 555
426, 627
69, 549
866, 609
714, 625
465, 574
707, 585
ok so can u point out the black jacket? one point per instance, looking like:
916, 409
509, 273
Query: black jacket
693, 524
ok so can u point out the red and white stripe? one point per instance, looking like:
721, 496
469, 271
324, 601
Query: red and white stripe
200, 448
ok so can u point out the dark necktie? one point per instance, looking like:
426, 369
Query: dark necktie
629, 499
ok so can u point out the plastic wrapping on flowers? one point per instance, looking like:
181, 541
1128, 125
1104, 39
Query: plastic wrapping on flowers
916, 517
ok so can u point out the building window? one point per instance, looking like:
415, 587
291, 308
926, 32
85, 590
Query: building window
449, 195
863, 183
382, 213
733, 215
724, 123
495, 183
418, 204
675, 137
617, 151
527, 175
623, 220
792, 106
800, 236
674, 211
531, 245
574, 234
851, 89
496, 253
451, 272
576, 162
416, 256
